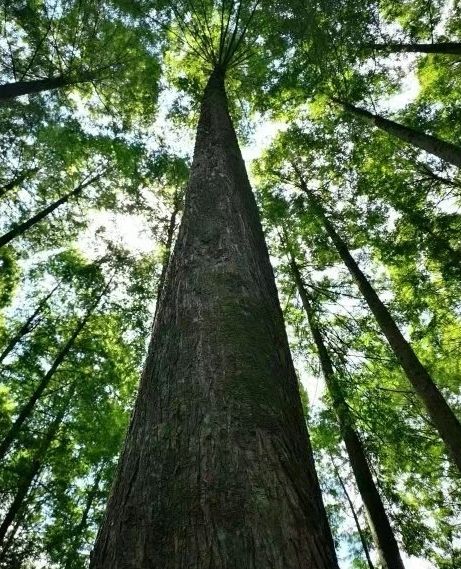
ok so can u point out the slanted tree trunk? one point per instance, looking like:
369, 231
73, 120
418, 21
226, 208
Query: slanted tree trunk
10, 91
441, 148
27, 326
76, 541
383, 534
446, 48
443, 418
217, 470
168, 243
34, 468
21, 228
27, 409
431, 175
356, 518
17, 181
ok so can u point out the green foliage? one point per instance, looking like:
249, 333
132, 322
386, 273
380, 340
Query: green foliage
136, 74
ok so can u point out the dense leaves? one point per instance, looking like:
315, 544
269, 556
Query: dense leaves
97, 101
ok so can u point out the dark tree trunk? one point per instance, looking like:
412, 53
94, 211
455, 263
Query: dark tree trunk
26, 411
447, 48
7, 543
443, 418
168, 245
27, 326
12, 90
217, 470
17, 181
381, 528
363, 539
21, 228
33, 469
429, 173
83, 524
444, 150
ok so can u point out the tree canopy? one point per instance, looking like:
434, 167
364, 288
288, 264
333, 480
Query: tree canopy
348, 114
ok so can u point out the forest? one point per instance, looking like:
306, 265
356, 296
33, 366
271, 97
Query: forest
230, 284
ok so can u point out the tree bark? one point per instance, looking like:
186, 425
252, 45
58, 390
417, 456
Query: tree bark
34, 468
27, 326
26, 411
21, 228
381, 528
10, 91
217, 470
443, 418
446, 48
431, 144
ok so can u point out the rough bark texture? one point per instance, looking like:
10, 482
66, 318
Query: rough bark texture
23, 227
381, 529
441, 148
443, 418
447, 48
217, 471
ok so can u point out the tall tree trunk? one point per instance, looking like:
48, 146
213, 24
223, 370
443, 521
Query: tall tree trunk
82, 525
10, 91
445, 421
444, 150
17, 181
26, 411
363, 540
27, 326
447, 48
34, 468
21, 228
217, 470
168, 244
381, 528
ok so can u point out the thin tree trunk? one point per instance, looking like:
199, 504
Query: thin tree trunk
217, 470
168, 244
19, 519
21, 228
27, 326
77, 533
441, 148
429, 173
34, 468
356, 518
446, 48
443, 418
17, 181
10, 91
26, 411
383, 534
